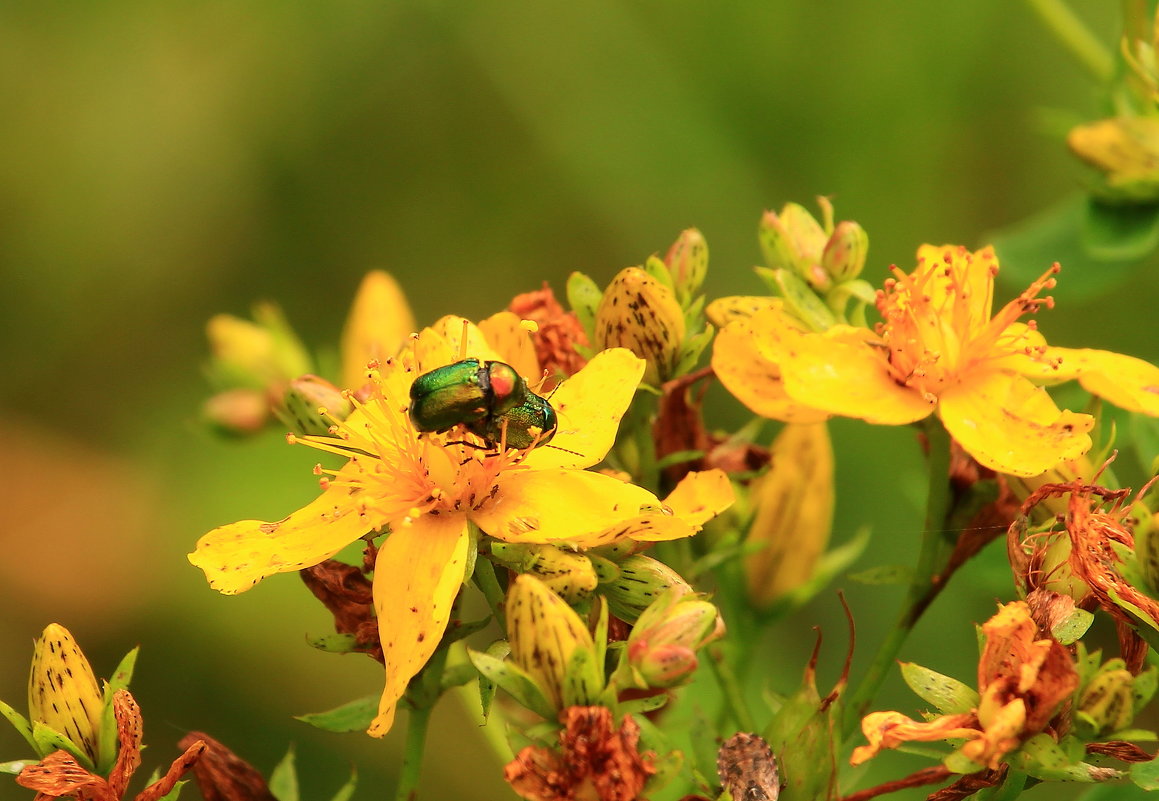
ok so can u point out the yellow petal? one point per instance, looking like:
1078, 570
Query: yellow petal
556, 504
238, 556
699, 497
754, 379
840, 372
723, 311
1127, 382
416, 577
505, 333
451, 328
1012, 426
379, 323
589, 406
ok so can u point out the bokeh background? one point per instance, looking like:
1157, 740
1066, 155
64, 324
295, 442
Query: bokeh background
162, 162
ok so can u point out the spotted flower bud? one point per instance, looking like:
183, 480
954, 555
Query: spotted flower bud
310, 405
1106, 703
640, 313
639, 582
551, 644
687, 261
663, 644
794, 513
844, 255
63, 694
566, 573
257, 354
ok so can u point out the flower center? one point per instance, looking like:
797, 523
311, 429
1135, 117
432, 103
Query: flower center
937, 324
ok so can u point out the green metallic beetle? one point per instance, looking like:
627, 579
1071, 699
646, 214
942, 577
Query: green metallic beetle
468, 391
532, 423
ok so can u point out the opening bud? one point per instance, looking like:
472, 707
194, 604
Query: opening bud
641, 580
300, 404
257, 354
844, 255
663, 644
687, 261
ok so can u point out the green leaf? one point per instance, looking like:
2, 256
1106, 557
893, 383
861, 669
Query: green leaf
584, 678
884, 575
334, 643
347, 790
46, 740
656, 268
353, 716
640, 705
514, 681
15, 766
945, 693
175, 793
1073, 626
1077, 233
19, 722
691, 349
107, 736
584, 295
457, 676
284, 778
1121, 232
1146, 774
1011, 787
1044, 759
1143, 687
464, 630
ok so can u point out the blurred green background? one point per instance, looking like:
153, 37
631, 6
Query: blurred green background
162, 162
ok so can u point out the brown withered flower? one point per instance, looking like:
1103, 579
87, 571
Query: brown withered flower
224, 776
558, 335
596, 761
1097, 527
59, 775
1023, 682
347, 593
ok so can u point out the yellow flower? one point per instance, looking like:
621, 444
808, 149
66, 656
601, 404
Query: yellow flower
426, 489
379, 322
940, 350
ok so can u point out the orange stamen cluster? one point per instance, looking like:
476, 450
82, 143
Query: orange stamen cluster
937, 322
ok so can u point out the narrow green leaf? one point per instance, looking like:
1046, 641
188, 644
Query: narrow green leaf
353, 716
884, 575
514, 681
19, 722
638, 706
1146, 774
15, 766
1120, 232
46, 740
284, 778
107, 736
347, 790
583, 295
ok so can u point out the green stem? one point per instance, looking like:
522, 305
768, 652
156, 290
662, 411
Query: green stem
1076, 37
730, 688
416, 735
926, 582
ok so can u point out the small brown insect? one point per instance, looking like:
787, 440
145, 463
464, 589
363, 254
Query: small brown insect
747, 768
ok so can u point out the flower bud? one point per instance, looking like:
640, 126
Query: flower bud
663, 644
551, 644
844, 255
640, 313
379, 322
794, 512
63, 694
1106, 704
641, 580
566, 573
257, 354
304, 401
687, 261
237, 412
794, 240
1126, 151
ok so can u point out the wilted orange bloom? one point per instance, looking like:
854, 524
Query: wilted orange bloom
59, 775
1099, 523
595, 762
558, 334
1022, 682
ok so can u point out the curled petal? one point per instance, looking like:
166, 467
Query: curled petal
589, 406
238, 556
59, 775
416, 577
557, 505
699, 497
753, 378
1011, 426
891, 729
